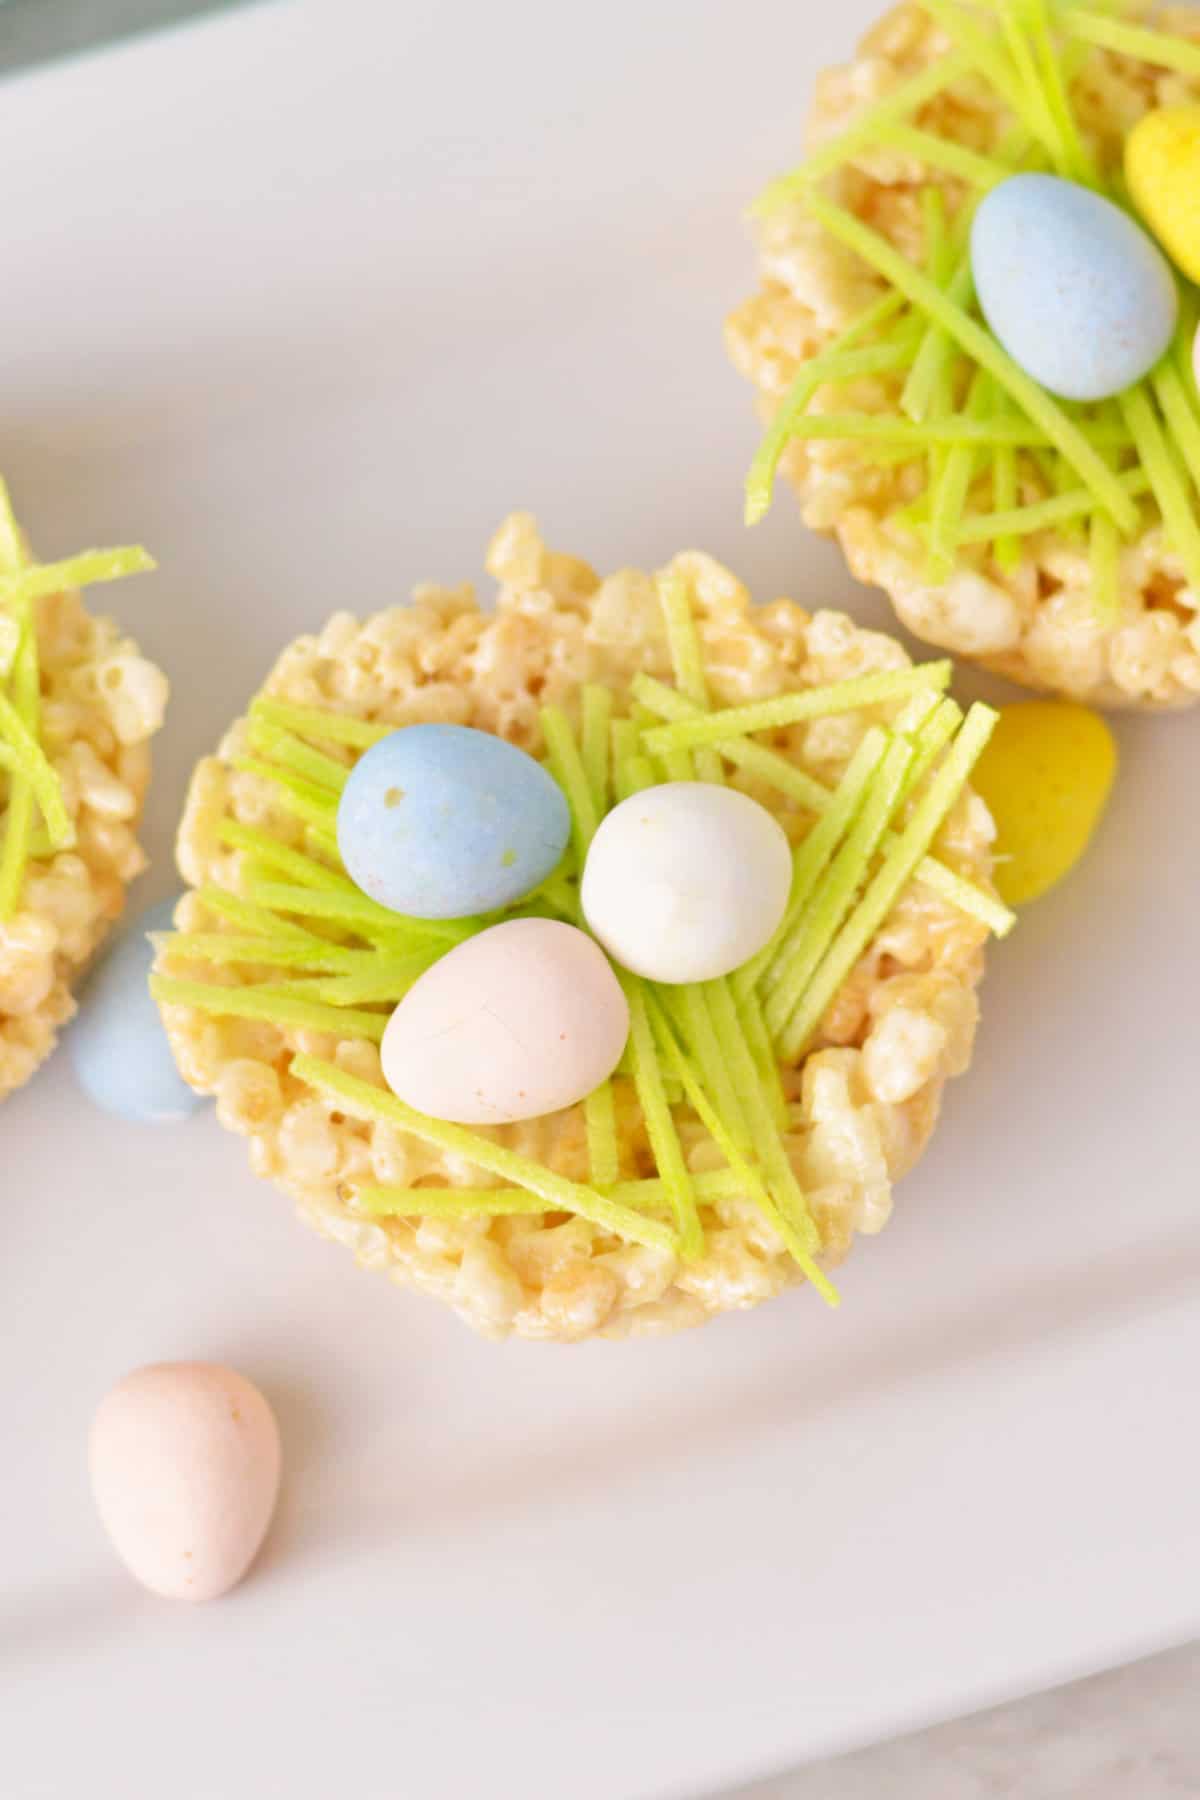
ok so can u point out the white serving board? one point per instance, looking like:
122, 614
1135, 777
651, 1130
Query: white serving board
308, 297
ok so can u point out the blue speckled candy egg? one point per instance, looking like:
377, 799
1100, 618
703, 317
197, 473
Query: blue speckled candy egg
439, 821
117, 1045
1072, 287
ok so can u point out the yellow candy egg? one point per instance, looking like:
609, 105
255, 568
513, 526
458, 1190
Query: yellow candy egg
1162, 167
1046, 776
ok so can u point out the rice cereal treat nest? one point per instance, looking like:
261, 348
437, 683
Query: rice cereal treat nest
903, 141
855, 1106
78, 707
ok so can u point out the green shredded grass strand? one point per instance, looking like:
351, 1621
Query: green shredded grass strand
902, 103
314, 721
898, 866
600, 1121
270, 1004
801, 955
1157, 48
790, 709
562, 1195
660, 1127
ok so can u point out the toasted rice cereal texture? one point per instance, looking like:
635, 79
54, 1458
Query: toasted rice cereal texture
102, 702
1036, 624
863, 1104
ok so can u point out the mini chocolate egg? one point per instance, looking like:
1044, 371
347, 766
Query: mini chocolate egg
686, 881
1162, 167
522, 1019
440, 821
185, 1463
117, 1045
1045, 775
1072, 287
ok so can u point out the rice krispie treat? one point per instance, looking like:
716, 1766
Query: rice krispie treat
1059, 547
78, 707
756, 1121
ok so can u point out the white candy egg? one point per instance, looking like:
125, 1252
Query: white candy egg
687, 881
185, 1466
521, 1020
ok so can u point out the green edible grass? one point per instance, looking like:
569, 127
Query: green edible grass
782, 1184
282, 952
754, 759
1077, 161
943, 153
790, 709
302, 798
897, 868
986, 54
831, 367
20, 737
813, 855
595, 741
1178, 508
39, 580
1043, 515
293, 754
949, 496
315, 722
932, 361
902, 103
497, 1202
269, 1004
660, 1126
1154, 47
366, 1102
929, 740
687, 660
1104, 557
254, 918
358, 913
566, 765
801, 953
746, 1179
304, 870
689, 1009
600, 1121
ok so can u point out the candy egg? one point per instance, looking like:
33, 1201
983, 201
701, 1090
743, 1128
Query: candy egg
1045, 775
1072, 287
522, 1019
687, 881
439, 821
185, 1464
117, 1046
1162, 167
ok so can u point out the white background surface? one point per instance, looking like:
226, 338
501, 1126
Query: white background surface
308, 298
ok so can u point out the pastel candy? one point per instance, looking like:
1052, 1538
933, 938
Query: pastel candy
1072, 287
117, 1045
185, 1464
521, 1020
440, 821
1162, 167
687, 881
1046, 776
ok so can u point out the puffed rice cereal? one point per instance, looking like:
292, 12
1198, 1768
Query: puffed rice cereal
863, 1101
102, 702
1036, 623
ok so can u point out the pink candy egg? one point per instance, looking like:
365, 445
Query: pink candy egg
185, 1464
519, 1021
